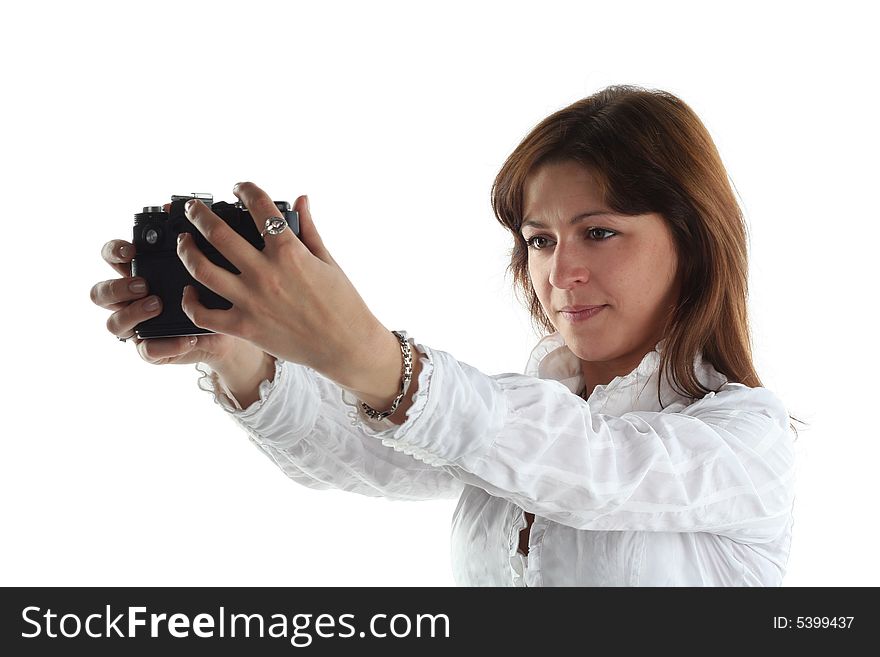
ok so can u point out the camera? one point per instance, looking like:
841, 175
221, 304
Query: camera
156, 260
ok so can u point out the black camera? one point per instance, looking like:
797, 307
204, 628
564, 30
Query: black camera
156, 260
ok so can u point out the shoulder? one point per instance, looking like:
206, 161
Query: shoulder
735, 403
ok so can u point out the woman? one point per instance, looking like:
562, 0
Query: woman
639, 448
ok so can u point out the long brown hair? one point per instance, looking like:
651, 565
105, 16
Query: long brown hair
651, 154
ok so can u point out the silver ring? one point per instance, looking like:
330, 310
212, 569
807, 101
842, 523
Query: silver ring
274, 226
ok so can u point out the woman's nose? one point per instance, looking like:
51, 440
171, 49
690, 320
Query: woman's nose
568, 268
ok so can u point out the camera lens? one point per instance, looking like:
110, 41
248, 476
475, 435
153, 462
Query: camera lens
151, 236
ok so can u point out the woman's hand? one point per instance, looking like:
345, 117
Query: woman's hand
131, 303
291, 300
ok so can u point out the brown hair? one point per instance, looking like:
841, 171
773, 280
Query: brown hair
650, 153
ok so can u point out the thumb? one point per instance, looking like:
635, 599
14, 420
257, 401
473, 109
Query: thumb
308, 234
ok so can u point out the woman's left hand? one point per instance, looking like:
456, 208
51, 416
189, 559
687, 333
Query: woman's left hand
291, 299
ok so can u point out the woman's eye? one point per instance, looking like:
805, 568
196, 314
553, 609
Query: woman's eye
537, 242
593, 231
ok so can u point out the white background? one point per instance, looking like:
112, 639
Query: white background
394, 118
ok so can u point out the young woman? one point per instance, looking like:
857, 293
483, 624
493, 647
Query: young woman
638, 449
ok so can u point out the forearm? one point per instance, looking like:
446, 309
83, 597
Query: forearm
243, 373
375, 380
379, 382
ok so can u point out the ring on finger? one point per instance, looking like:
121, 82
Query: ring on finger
274, 226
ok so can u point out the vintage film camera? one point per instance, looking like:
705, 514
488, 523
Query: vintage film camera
155, 242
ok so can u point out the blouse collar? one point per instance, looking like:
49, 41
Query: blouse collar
552, 359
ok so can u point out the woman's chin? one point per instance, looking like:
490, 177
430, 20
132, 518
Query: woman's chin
586, 348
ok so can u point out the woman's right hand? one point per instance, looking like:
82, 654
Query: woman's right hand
131, 303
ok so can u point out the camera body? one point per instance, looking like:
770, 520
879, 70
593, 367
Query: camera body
155, 241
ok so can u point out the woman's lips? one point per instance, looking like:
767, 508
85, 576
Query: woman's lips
581, 315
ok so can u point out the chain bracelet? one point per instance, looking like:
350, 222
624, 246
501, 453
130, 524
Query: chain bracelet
404, 383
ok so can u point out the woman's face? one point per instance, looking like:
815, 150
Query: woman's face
626, 264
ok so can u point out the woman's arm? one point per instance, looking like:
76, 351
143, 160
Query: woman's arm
377, 383
300, 420
724, 464
243, 372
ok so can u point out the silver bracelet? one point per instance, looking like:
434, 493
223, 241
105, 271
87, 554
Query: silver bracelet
404, 383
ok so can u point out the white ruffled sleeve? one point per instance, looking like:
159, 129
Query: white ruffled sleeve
313, 430
724, 464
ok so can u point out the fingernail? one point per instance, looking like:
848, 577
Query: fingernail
308, 207
189, 204
192, 340
138, 287
124, 251
235, 188
180, 237
152, 303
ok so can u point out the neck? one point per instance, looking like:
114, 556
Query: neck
596, 373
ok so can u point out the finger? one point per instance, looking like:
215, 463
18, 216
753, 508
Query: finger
212, 276
261, 207
219, 321
118, 254
223, 237
308, 233
119, 292
122, 322
158, 350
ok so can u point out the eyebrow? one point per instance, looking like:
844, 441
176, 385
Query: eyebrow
572, 221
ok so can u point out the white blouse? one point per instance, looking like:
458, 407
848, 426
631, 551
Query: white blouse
626, 491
